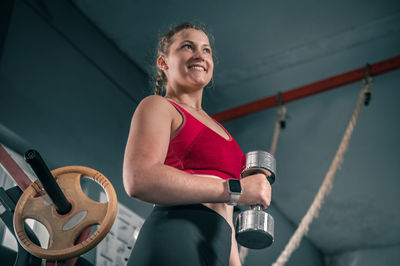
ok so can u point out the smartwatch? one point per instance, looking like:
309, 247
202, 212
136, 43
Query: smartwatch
235, 190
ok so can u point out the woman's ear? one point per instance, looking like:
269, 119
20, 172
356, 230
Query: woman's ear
161, 63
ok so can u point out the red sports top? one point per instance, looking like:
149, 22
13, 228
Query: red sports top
197, 149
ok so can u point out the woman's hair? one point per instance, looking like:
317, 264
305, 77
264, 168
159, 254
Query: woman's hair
164, 44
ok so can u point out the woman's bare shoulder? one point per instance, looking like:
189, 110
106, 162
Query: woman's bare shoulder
154, 101
154, 105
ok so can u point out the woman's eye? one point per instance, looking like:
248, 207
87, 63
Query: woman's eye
207, 50
187, 46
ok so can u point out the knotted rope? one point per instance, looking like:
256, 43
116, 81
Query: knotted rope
326, 186
279, 124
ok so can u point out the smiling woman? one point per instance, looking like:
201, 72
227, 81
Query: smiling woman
178, 158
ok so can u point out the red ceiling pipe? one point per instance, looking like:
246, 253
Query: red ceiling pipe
308, 90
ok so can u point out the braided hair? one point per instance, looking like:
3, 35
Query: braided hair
160, 79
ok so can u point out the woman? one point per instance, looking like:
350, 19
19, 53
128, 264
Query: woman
180, 159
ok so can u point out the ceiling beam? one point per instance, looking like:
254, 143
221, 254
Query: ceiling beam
310, 89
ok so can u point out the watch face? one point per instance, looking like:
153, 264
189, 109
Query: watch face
234, 185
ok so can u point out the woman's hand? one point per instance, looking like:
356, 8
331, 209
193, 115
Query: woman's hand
256, 189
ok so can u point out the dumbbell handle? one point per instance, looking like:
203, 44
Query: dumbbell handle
258, 207
254, 171
50, 185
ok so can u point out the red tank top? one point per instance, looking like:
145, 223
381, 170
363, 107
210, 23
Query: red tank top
197, 149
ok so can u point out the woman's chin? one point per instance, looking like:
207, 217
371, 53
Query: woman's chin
200, 83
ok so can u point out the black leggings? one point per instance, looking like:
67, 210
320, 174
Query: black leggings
191, 235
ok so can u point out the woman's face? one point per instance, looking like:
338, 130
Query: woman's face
189, 63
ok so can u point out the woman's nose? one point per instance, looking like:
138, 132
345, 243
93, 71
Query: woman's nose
199, 54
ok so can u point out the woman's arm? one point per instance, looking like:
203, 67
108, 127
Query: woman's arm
144, 174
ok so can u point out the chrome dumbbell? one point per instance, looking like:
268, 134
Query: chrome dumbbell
254, 227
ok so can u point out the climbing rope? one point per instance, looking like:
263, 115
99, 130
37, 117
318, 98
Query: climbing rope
326, 186
279, 124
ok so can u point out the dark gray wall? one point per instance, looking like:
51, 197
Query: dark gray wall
64, 87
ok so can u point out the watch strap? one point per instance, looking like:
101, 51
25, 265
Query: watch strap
234, 198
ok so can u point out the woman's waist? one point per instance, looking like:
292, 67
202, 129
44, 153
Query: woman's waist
222, 209
206, 214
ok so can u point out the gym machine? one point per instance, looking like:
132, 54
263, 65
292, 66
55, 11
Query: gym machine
57, 201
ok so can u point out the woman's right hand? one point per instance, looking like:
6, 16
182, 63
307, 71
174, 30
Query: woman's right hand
256, 189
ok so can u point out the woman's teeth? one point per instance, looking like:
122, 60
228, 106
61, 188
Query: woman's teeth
197, 68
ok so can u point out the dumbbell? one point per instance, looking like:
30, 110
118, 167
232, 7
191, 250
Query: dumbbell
254, 227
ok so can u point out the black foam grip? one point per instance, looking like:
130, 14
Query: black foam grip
49, 183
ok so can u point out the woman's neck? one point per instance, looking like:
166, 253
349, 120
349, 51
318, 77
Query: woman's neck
192, 100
